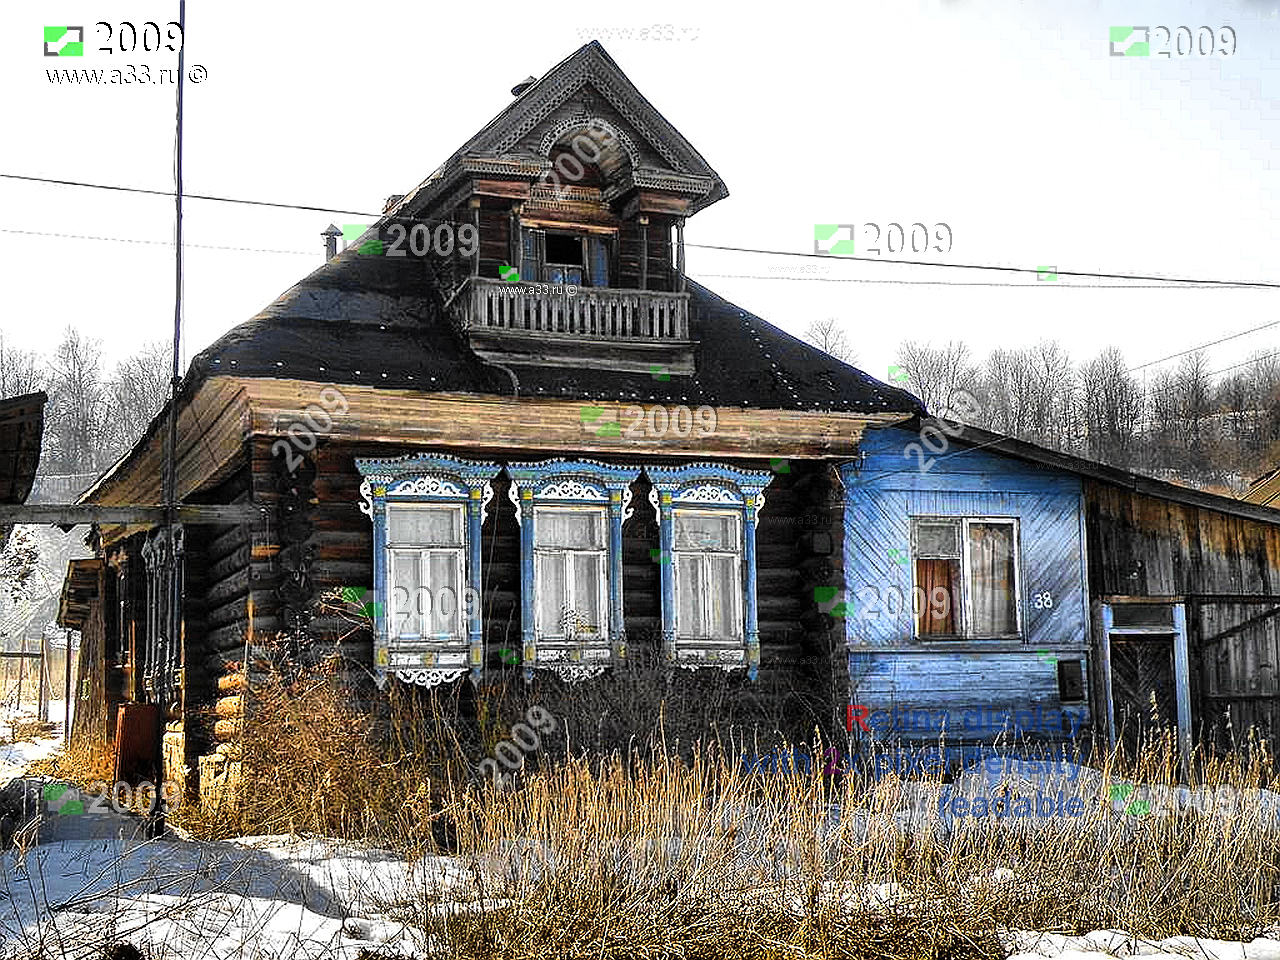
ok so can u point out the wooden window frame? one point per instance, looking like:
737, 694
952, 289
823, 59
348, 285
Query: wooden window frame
571, 554
704, 558
966, 574
424, 553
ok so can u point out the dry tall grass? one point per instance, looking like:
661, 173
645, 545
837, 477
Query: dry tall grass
670, 849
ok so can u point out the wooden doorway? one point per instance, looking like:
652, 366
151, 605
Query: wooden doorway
1142, 689
1147, 675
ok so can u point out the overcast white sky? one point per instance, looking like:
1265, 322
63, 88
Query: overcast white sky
1008, 121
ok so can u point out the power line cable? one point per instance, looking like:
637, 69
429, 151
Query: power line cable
161, 243
188, 196
1211, 343
1171, 285
978, 266
702, 246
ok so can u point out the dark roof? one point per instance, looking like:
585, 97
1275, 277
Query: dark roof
974, 438
311, 333
79, 589
1265, 490
21, 429
380, 321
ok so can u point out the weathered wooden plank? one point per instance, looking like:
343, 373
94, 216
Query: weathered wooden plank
145, 514
407, 417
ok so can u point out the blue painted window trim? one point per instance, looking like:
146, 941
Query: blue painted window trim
563, 482
426, 478
708, 486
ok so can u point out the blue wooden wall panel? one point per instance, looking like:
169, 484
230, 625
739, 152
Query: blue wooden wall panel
887, 665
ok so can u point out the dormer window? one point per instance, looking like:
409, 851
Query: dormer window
566, 257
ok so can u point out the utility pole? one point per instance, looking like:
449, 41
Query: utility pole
42, 687
66, 690
165, 668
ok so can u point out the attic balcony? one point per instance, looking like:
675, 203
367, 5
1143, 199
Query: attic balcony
550, 324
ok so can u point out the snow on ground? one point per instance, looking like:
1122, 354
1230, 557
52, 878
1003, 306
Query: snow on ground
90, 879
15, 757
82, 877
74, 883
1107, 944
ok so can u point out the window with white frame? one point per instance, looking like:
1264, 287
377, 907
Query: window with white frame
571, 572
966, 577
426, 564
707, 554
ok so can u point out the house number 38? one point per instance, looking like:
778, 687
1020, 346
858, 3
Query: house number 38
1042, 601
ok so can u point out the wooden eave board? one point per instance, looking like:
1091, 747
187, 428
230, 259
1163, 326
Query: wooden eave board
211, 432
471, 421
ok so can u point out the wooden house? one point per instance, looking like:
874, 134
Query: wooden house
553, 457
597, 464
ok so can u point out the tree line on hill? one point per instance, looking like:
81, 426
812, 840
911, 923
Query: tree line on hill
1178, 422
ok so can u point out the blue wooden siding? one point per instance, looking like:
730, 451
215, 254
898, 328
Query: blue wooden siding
891, 669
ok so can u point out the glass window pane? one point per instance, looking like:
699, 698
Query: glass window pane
689, 589
706, 531
441, 602
417, 524
722, 597
1142, 615
992, 596
937, 539
579, 529
406, 575
937, 597
550, 593
588, 574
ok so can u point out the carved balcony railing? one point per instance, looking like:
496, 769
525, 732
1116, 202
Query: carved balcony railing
563, 325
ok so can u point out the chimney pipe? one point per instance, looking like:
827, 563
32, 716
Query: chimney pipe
523, 85
331, 236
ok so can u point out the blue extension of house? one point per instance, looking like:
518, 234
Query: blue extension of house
993, 586
967, 610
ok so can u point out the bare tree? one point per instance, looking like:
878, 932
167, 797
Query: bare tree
138, 388
20, 371
1054, 421
1111, 403
827, 336
933, 374
77, 404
